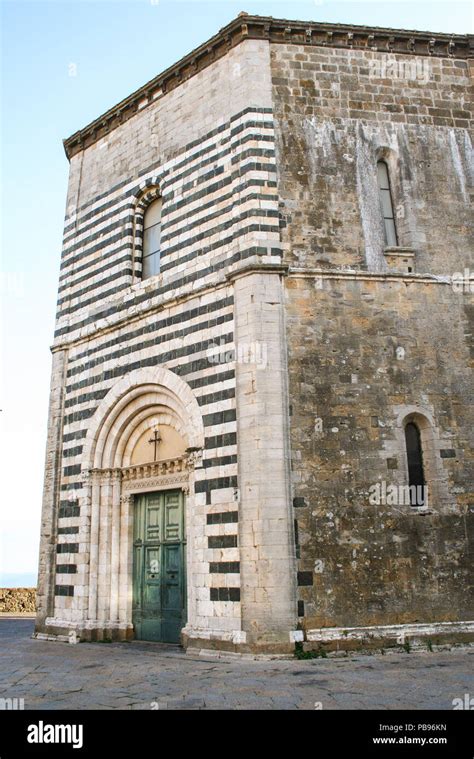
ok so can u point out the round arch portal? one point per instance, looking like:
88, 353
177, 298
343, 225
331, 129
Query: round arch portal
137, 404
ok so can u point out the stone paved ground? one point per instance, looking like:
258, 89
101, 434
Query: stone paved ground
51, 675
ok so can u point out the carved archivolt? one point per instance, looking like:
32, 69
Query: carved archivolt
144, 393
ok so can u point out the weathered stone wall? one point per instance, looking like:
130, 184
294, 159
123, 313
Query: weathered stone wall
338, 111
367, 349
363, 563
17, 600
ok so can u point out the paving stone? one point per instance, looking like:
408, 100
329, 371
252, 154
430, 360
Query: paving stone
53, 676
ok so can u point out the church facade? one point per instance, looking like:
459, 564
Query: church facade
261, 409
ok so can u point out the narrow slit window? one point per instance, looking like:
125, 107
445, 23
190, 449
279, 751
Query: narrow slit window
386, 204
151, 239
416, 475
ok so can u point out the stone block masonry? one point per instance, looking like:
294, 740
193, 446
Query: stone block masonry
283, 346
368, 346
339, 111
362, 562
212, 156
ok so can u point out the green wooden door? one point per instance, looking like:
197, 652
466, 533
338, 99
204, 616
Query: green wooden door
159, 578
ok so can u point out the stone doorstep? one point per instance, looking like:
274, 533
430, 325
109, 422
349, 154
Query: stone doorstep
18, 615
168, 650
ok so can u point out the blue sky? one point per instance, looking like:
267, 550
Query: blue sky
63, 64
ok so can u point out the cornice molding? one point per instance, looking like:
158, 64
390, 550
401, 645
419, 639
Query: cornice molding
256, 268
276, 31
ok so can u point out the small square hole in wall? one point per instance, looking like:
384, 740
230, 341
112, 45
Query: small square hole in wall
400, 260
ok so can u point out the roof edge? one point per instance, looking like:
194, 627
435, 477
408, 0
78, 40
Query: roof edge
244, 26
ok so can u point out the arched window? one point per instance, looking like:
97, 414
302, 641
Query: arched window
151, 239
416, 475
386, 204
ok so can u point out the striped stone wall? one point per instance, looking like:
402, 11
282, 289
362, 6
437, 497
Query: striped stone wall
209, 148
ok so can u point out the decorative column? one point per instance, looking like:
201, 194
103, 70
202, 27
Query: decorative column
125, 573
94, 546
85, 528
103, 600
193, 461
115, 546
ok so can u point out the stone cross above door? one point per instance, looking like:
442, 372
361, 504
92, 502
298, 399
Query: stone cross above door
154, 441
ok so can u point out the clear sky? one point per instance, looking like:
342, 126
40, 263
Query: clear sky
64, 63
